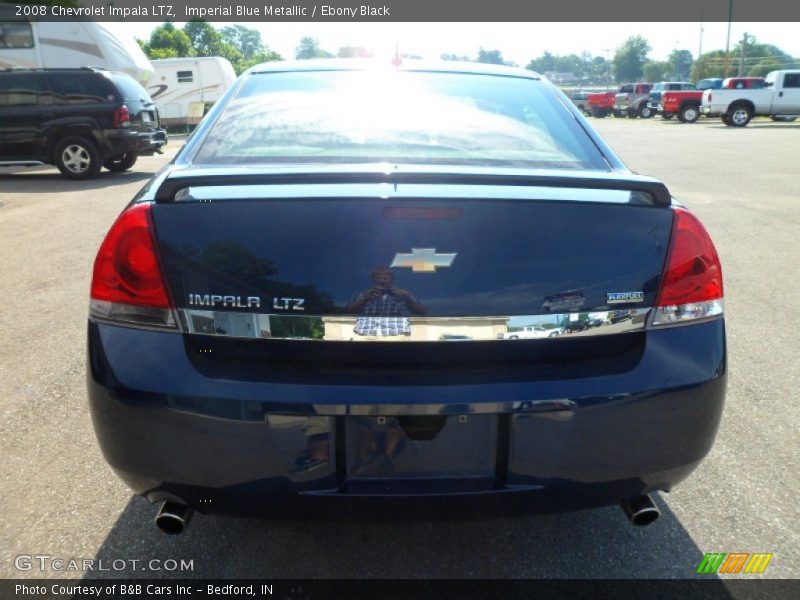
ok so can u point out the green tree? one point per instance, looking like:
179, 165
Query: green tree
680, 62
656, 70
492, 57
707, 65
245, 39
630, 58
167, 41
765, 66
309, 48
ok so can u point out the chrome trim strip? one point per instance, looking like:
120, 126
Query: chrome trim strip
340, 328
20, 163
482, 408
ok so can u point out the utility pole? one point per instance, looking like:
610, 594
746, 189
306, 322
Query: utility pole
741, 56
700, 47
728, 42
608, 66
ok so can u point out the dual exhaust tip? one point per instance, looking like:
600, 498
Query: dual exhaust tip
641, 510
173, 517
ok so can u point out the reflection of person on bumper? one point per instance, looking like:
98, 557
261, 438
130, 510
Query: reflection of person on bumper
384, 310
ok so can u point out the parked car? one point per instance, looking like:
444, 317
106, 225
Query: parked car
686, 104
600, 104
245, 357
779, 98
79, 120
665, 86
531, 332
580, 99
633, 101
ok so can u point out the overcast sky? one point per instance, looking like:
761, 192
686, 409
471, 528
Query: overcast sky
519, 42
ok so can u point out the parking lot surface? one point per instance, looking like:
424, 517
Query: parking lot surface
61, 499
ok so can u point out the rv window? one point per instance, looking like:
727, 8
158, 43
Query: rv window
22, 89
185, 77
16, 35
82, 88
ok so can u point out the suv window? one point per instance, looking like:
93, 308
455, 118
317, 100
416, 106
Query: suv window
400, 117
23, 89
791, 80
81, 88
129, 88
16, 35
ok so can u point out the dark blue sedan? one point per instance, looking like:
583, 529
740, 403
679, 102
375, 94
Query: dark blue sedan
309, 308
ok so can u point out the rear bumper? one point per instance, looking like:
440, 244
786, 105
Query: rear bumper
270, 446
144, 143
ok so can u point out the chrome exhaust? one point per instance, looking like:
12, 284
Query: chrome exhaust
641, 510
173, 517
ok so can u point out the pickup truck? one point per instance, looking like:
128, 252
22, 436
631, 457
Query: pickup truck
531, 332
779, 98
600, 104
580, 100
633, 102
665, 86
686, 104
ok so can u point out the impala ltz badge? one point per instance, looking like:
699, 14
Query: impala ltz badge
226, 301
624, 297
423, 260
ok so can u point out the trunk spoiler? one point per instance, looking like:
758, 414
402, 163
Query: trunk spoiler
371, 174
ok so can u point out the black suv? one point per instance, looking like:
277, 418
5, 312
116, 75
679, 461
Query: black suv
76, 119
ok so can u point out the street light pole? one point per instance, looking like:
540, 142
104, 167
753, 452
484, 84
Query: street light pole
728, 42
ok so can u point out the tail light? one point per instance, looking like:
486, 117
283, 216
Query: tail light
127, 282
692, 284
122, 117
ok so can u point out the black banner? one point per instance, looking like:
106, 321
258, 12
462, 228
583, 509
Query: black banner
439, 589
337, 11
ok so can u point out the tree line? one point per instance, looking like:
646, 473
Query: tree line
243, 47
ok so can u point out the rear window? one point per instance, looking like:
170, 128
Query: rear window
397, 116
16, 35
81, 88
129, 88
22, 89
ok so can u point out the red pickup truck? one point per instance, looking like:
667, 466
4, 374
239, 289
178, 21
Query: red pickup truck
601, 104
686, 104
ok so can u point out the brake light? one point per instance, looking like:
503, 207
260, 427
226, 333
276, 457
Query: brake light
692, 284
127, 282
122, 117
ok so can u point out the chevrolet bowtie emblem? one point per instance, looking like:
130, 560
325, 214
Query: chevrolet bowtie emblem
423, 260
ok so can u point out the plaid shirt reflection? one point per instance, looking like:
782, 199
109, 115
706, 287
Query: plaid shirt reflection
393, 319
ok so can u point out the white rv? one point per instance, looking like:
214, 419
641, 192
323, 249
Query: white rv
182, 87
70, 45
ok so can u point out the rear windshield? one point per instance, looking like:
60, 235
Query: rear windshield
131, 91
399, 117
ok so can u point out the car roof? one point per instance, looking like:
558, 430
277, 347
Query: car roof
365, 64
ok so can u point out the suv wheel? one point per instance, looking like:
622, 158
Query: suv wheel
667, 116
77, 158
739, 115
689, 114
121, 162
645, 111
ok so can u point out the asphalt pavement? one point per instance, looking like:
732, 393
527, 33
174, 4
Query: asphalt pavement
60, 498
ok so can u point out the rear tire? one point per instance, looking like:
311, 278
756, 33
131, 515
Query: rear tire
726, 120
689, 114
645, 112
121, 162
667, 116
618, 114
77, 158
739, 115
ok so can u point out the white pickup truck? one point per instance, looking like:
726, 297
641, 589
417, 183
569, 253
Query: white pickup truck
531, 332
779, 98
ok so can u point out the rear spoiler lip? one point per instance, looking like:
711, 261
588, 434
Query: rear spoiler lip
409, 174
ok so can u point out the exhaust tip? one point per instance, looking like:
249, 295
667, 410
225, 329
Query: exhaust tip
641, 510
172, 518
